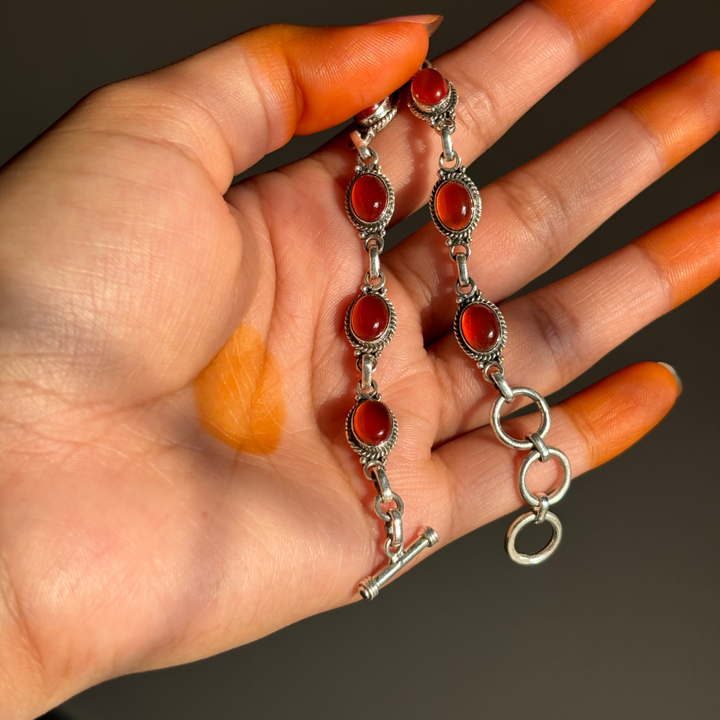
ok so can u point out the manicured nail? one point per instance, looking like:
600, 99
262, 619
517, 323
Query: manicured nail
675, 375
431, 22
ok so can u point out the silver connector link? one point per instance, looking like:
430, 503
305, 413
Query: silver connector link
370, 587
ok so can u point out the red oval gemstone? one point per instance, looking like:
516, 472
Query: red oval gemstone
453, 205
369, 197
367, 112
369, 317
429, 87
480, 327
372, 422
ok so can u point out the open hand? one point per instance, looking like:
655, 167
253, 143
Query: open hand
174, 375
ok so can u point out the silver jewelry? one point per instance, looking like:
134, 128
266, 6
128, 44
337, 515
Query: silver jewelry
479, 325
370, 323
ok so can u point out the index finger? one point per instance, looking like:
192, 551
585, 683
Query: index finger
500, 73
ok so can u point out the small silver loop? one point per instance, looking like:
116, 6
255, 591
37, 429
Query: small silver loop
367, 155
540, 446
446, 124
497, 378
394, 554
558, 492
371, 467
459, 249
377, 241
445, 163
380, 478
360, 361
364, 152
373, 283
471, 288
491, 368
510, 441
370, 392
541, 510
379, 500
514, 530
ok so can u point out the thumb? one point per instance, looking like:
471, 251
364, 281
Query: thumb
232, 104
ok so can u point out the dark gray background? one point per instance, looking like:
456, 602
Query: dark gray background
623, 622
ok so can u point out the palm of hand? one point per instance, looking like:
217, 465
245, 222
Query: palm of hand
147, 495
136, 538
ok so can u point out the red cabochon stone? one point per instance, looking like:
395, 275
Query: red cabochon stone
369, 197
369, 317
429, 87
453, 205
372, 422
367, 112
480, 327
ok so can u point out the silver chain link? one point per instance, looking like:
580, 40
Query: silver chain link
368, 364
535, 442
446, 130
374, 263
461, 259
392, 517
377, 241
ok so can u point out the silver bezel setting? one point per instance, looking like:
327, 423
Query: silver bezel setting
377, 226
373, 347
457, 175
437, 114
386, 111
370, 453
489, 357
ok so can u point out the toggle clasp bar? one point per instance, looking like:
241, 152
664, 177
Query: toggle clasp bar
370, 587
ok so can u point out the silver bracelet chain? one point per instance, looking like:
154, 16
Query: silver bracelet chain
473, 308
370, 323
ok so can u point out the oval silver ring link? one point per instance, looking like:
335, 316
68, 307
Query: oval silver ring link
514, 530
399, 504
509, 440
558, 492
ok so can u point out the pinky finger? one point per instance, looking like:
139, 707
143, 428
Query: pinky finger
591, 427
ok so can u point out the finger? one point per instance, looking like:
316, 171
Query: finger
500, 73
538, 213
230, 105
590, 427
561, 330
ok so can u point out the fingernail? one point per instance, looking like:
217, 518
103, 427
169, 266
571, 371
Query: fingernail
431, 22
674, 372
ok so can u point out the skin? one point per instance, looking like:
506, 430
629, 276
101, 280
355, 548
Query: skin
240, 396
174, 377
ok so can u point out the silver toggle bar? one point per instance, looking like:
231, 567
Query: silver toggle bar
370, 587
